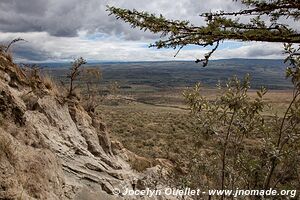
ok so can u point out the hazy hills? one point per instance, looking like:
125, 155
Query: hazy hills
270, 73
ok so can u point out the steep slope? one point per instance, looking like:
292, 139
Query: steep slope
51, 148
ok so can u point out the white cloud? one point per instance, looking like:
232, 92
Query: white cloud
62, 30
44, 47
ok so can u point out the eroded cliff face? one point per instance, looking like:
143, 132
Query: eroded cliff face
51, 148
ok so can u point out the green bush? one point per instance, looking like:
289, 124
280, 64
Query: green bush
247, 149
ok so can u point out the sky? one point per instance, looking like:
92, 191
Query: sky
62, 30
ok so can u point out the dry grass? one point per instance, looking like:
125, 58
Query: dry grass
139, 163
159, 130
49, 82
90, 105
9, 56
151, 131
6, 149
277, 100
30, 100
1, 120
51, 85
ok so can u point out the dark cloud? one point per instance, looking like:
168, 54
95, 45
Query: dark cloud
31, 54
67, 17
61, 29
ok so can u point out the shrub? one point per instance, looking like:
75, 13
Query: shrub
250, 150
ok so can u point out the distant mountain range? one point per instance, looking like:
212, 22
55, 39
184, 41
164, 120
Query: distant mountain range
270, 73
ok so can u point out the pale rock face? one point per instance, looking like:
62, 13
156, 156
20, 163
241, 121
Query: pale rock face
5, 77
59, 150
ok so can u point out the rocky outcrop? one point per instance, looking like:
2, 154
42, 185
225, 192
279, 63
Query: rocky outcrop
51, 148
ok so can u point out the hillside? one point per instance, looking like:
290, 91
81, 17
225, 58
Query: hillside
51, 148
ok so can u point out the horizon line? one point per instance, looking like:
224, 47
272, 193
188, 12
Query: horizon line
142, 61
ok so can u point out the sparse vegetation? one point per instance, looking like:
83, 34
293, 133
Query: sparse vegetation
113, 88
38, 81
91, 77
149, 130
33, 72
233, 119
49, 82
30, 100
229, 140
6, 149
75, 71
5, 49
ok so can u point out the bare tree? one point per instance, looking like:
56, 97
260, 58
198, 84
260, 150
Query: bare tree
75, 71
91, 76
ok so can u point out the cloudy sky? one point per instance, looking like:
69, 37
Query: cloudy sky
61, 30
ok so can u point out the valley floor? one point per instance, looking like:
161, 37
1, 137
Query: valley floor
158, 123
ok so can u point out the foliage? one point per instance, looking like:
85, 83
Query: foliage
229, 119
234, 119
250, 149
220, 26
